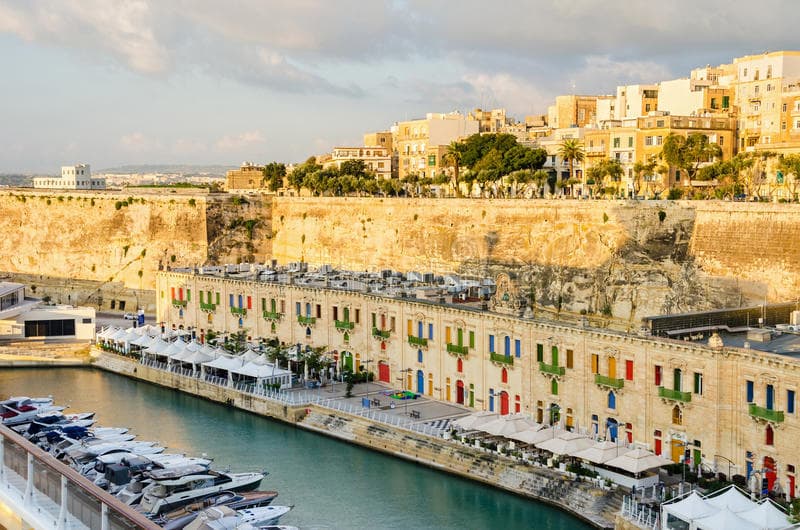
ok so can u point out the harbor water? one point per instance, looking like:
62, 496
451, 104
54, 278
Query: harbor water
330, 483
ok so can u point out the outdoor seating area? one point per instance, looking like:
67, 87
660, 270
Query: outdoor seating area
520, 436
727, 509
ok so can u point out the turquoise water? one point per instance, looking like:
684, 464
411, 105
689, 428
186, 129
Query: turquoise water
330, 483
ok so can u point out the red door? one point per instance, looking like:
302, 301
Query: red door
658, 446
769, 465
460, 392
503, 403
383, 372
791, 486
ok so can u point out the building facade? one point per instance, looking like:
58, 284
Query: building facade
419, 143
77, 177
249, 177
23, 318
733, 409
376, 159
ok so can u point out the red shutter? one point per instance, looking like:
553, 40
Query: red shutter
172, 292
249, 302
180, 293
629, 370
658, 376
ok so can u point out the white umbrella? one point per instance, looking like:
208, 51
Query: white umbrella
546, 434
475, 420
566, 443
527, 435
766, 516
601, 452
637, 461
508, 425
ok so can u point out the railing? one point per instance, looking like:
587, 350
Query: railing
457, 349
241, 311
306, 321
179, 303
675, 395
611, 382
272, 315
551, 369
343, 324
500, 358
47, 493
643, 516
208, 307
417, 341
765, 413
381, 333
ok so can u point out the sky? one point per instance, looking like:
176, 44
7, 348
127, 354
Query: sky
115, 82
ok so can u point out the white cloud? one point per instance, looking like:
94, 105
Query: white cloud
136, 142
239, 142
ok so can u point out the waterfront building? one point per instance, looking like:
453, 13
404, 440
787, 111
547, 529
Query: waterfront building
731, 406
77, 177
25, 318
376, 159
420, 144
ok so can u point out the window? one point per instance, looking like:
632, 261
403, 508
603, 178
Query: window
319, 311
677, 415
491, 343
507, 346
554, 386
471, 339
770, 397
630, 141
769, 436
612, 400
249, 302
569, 359
616, 142
297, 308
230, 300
629, 370
554, 356
430, 331
308, 309
658, 375
504, 375
726, 102
676, 380
419, 356
539, 353
460, 365
783, 107
335, 310
750, 387
698, 384
517, 348
358, 316
595, 363
790, 401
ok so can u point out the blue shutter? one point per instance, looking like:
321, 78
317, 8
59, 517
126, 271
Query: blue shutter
517, 348
790, 401
507, 346
308, 309
240, 301
231, 300
297, 308
749, 391
419, 329
430, 331
491, 343
491, 399
770, 397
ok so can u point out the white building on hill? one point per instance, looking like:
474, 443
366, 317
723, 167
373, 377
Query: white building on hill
77, 177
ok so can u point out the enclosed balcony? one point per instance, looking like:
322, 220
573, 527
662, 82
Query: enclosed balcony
551, 369
500, 358
417, 341
208, 307
344, 325
179, 303
674, 395
611, 382
241, 311
382, 334
763, 413
306, 321
457, 350
272, 315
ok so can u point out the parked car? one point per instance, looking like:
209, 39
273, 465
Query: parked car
129, 316
740, 197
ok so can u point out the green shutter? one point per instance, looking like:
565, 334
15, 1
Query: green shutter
540, 353
555, 356
188, 295
217, 298
471, 339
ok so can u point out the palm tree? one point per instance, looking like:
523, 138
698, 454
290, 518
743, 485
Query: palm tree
571, 149
452, 157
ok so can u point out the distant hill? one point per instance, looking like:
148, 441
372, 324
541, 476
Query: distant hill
15, 180
166, 168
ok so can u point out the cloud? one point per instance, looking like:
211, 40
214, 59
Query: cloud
137, 142
239, 142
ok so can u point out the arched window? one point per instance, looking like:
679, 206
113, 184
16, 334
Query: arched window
677, 415
612, 400
554, 387
770, 436
308, 332
504, 376
460, 366
346, 337
419, 356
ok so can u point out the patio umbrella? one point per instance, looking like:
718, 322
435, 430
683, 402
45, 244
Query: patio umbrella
507, 425
566, 443
527, 435
473, 421
601, 452
545, 434
637, 461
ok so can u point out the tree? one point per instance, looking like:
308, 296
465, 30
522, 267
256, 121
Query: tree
790, 165
609, 168
688, 153
571, 149
297, 178
452, 157
540, 177
273, 175
639, 169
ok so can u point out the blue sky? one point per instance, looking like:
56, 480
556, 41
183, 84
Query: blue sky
112, 82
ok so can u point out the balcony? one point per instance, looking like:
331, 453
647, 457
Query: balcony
500, 358
551, 369
674, 395
272, 315
179, 303
417, 341
610, 382
763, 413
457, 350
382, 334
344, 325
306, 321
241, 311
208, 307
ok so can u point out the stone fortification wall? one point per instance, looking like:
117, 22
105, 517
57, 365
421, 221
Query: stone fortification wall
122, 238
620, 259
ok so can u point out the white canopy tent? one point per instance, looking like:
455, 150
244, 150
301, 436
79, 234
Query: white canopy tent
566, 443
263, 374
724, 519
726, 510
547, 433
766, 515
731, 498
637, 461
601, 452
508, 425
473, 421
686, 510
527, 435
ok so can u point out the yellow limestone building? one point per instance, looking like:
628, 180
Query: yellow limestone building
733, 409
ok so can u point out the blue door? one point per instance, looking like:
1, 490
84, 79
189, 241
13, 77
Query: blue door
420, 382
612, 429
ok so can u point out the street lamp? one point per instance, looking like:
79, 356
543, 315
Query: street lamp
405, 401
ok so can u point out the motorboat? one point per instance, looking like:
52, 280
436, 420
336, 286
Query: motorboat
175, 487
127, 466
82, 458
18, 410
178, 519
224, 518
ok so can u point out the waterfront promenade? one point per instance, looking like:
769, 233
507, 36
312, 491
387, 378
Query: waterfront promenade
423, 438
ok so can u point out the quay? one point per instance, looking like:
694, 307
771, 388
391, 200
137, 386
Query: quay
394, 432
38, 491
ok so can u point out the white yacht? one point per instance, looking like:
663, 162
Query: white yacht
17, 410
172, 488
224, 518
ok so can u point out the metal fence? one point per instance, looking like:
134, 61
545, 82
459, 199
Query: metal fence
641, 515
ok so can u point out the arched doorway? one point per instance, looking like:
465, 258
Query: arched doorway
460, 392
769, 472
420, 382
503, 403
347, 361
612, 426
383, 372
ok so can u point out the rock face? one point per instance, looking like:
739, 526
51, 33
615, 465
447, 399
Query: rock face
613, 260
121, 238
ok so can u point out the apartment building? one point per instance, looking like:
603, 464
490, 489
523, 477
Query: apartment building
249, 177
77, 177
376, 159
420, 144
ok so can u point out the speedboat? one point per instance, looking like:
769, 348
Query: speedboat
178, 519
126, 466
176, 487
17, 410
224, 518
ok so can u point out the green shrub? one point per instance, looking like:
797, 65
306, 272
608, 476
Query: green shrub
674, 194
